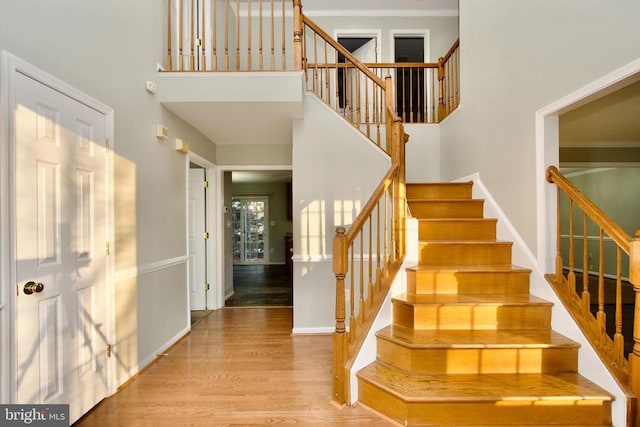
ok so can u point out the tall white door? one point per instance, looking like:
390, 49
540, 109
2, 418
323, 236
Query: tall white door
197, 242
61, 235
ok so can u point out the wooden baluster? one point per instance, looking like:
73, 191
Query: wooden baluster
403, 95
367, 119
361, 309
192, 42
214, 36
559, 261
388, 102
340, 344
273, 41
386, 233
249, 43
237, 35
420, 93
371, 288
203, 40
180, 29
377, 93
315, 61
602, 316
297, 35
634, 278
378, 245
226, 35
326, 90
571, 277
411, 112
586, 296
284, 38
169, 59
260, 52
441, 107
358, 103
352, 293
618, 338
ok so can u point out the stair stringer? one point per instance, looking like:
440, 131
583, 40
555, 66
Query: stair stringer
368, 351
589, 364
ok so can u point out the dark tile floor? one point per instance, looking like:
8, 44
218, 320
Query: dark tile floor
261, 285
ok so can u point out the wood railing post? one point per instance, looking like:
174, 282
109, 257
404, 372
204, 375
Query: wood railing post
388, 108
297, 34
340, 342
399, 212
442, 111
634, 356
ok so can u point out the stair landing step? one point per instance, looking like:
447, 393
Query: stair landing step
518, 338
482, 387
486, 268
466, 299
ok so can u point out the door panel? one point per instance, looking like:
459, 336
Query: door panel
197, 243
250, 238
60, 211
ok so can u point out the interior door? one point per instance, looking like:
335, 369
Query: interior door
61, 235
197, 241
359, 85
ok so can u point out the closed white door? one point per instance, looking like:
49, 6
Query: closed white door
61, 236
197, 241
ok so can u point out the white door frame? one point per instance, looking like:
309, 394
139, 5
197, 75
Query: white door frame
356, 33
211, 218
548, 146
218, 217
10, 65
426, 35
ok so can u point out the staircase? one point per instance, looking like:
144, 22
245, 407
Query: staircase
469, 345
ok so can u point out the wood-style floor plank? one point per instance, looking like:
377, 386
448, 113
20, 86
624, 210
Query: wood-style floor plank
239, 366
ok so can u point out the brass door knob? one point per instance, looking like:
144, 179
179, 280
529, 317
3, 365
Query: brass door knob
31, 287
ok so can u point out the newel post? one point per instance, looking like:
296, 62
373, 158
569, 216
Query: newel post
634, 278
399, 186
297, 34
340, 343
441, 107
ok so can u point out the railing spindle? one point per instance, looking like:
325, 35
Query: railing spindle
249, 43
237, 35
170, 22
586, 296
284, 48
203, 39
571, 277
180, 36
602, 316
260, 52
618, 338
273, 41
226, 35
214, 36
192, 41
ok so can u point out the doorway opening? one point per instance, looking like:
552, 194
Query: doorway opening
257, 229
413, 98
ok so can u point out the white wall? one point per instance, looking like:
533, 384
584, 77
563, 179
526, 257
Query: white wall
335, 171
422, 153
108, 49
517, 57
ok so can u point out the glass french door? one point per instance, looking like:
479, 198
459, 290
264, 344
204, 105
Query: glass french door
249, 230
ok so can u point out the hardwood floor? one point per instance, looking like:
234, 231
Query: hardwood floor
239, 366
261, 285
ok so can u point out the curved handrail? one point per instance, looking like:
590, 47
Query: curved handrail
612, 229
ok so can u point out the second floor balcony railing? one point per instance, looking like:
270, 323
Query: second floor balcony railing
267, 35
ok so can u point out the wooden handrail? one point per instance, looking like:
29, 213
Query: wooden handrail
451, 50
367, 209
609, 345
601, 219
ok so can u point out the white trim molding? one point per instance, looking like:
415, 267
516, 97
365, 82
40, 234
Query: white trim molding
152, 267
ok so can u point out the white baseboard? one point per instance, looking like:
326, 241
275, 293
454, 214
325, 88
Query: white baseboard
313, 331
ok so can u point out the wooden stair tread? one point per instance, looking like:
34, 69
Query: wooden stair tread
420, 387
466, 299
484, 268
479, 339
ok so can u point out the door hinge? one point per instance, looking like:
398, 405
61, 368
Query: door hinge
106, 145
206, 286
205, 184
205, 235
108, 350
107, 250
